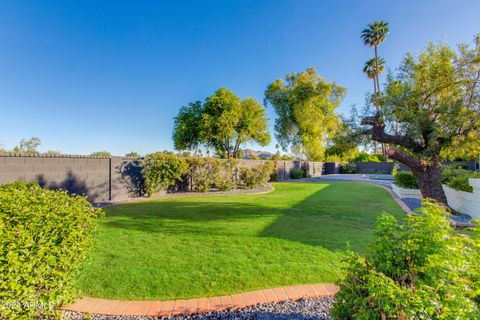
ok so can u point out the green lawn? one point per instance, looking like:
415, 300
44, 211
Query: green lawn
214, 245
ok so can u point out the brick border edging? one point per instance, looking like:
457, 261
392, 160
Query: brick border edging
200, 305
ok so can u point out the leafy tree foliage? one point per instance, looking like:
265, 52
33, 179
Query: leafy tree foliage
435, 100
53, 152
101, 154
28, 146
418, 269
132, 154
224, 122
186, 133
305, 104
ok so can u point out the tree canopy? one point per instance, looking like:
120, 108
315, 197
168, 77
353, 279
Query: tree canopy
435, 100
305, 104
28, 146
223, 122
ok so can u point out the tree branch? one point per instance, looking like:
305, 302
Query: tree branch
378, 134
404, 158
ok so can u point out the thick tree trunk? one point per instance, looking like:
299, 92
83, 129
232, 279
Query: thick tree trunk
429, 182
426, 171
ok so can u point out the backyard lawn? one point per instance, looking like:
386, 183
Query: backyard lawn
215, 245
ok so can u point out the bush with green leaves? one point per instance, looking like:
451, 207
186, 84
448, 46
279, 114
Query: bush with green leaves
44, 238
296, 173
162, 170
348, 168
224, 179
405, 179
202, 172
456, 177
421, 268
256, 176
275, 175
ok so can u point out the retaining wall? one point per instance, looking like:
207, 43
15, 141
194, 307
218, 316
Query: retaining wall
464, 202
102, 179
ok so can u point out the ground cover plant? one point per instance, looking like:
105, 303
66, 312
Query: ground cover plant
457, 177
452, 176
214, 245
421, 269
44, 238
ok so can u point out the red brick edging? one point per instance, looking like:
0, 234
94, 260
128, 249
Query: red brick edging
200, 305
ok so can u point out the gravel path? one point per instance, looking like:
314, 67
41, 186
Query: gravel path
306, 309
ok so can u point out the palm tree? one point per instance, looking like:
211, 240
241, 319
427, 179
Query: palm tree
373, 36
370, 69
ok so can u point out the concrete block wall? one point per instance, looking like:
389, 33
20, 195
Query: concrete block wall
464, 202
101, 179
79, 175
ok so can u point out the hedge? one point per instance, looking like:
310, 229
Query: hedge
44, 238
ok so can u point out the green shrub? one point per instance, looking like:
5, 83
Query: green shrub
162, 170
44, 238
224, 178
456, 177
405, 180
203, 172
296, 173
275, 175
348, 168
418, 269
256, 176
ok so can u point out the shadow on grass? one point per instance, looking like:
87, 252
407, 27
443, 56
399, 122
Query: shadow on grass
330, 217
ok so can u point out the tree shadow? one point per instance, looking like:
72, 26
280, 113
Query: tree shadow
131, 176
71, 184
330, 217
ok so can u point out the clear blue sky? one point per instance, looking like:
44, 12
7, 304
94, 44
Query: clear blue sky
110, 75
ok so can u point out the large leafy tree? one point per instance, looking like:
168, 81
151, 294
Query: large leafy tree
435, 99
305, 104
186, 133
224, 122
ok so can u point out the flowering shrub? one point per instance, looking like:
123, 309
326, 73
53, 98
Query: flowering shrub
418, 269
256, 176
202, 172
162, 170
224, 178
44, 238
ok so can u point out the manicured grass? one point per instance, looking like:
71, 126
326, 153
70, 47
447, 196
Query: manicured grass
215, 245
